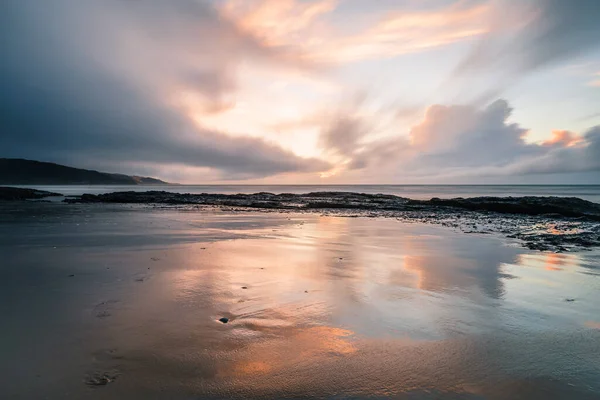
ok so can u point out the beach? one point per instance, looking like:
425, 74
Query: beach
106, 301
300, 199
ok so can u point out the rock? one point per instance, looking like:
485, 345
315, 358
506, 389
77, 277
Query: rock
103, 314
72, 275
14, 194
101, 379
224, 320
244, 287
569, 300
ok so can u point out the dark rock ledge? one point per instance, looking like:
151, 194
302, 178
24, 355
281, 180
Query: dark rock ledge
15, 194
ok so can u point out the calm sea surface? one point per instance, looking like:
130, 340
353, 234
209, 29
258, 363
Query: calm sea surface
586, 192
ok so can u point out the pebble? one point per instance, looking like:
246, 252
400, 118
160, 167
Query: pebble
101, 379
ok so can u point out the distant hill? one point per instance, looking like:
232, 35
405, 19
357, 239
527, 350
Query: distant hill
16, 171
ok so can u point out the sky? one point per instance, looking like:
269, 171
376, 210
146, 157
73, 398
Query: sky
306, 91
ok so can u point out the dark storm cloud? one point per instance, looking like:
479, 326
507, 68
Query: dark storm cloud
95, 83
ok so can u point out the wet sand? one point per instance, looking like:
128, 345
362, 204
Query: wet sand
105, 301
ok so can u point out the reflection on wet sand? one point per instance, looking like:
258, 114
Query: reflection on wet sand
551, 261
317, 344
317, 306
592, 324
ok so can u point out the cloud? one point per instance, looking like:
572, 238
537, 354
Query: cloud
467, 143
382, 154
106, 83
134, 85
278, 22
305, 25
562, 138
583, 157
466, 136
410, 31
522, 38
454, 136
343, 135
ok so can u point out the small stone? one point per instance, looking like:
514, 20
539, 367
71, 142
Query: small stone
570, 300
306, 291
100, 379
72, 275
224, 320
244, 287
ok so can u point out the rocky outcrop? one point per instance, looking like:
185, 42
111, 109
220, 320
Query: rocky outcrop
539, 223
569, 207
14, 194
530, 205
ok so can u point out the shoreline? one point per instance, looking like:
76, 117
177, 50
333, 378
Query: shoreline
558, 224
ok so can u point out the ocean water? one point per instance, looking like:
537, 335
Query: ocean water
421, 192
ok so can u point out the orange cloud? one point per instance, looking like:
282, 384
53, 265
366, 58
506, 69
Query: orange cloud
302, 26
563, 138
277, 22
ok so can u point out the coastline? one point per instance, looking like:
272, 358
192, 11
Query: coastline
546, 223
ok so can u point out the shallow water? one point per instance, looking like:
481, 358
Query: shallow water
332, 307
419, 192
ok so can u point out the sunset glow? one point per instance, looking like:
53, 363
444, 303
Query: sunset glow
316, 91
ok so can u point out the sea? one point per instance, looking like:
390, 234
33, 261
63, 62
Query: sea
419, 192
